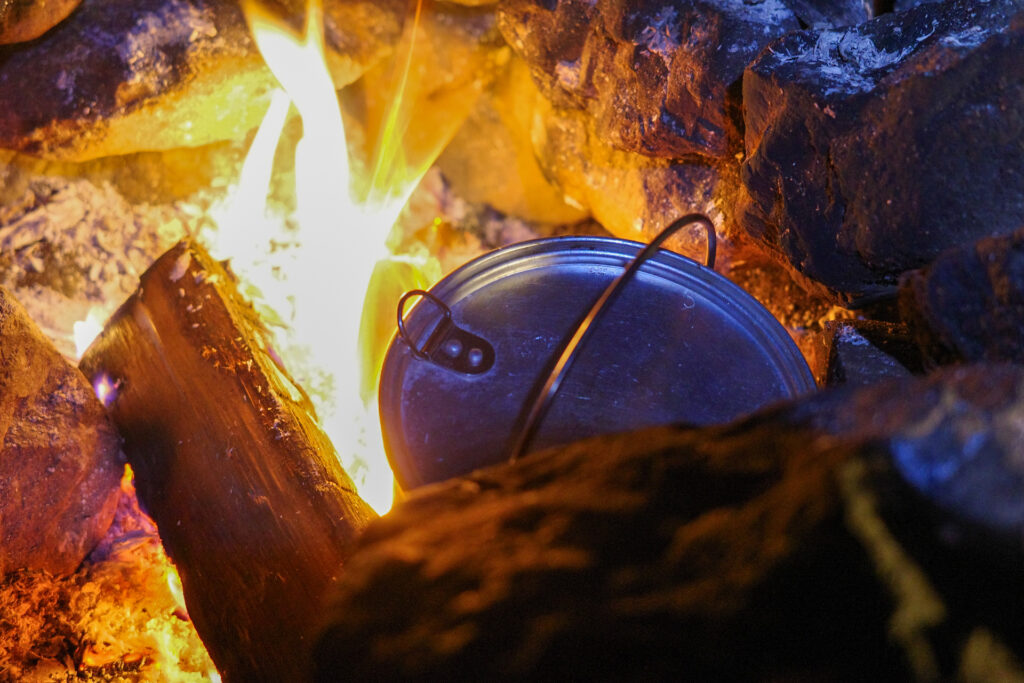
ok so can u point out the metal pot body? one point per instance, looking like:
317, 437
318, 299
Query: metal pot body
681, 344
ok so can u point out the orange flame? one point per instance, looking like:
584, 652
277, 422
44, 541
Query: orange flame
325, 273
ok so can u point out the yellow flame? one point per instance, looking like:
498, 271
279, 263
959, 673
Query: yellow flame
315, 270
85, 331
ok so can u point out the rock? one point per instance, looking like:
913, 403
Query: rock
870, 150
968, 305
456, 53
631, 195
22, 20
863, 352
491, 159
121, 76
657, 76
60, 462
902, 5
752, 551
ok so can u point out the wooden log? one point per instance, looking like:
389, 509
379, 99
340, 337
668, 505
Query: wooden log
252, 504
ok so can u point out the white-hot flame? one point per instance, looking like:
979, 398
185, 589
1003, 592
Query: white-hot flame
312, 270
85, 331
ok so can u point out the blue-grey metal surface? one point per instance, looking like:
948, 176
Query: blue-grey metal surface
680, 344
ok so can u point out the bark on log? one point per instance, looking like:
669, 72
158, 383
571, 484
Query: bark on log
251, 502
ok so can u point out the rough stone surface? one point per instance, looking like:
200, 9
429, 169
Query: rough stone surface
60, 462
863, 352
123, 75
491, 159
871, 150
969, 304
761, 550
655, 75
631, 195
22, 20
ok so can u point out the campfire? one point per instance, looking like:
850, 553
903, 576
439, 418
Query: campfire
799, 458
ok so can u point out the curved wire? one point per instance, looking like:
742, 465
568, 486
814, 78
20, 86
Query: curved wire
542, 400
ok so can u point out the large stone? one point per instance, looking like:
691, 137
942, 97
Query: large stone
631, 195
864, 352
122, 76
491, 159
756, 551
872, 149
968, 305
22, 20
656, 75
60, 462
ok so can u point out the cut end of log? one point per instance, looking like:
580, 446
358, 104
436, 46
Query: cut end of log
252, 503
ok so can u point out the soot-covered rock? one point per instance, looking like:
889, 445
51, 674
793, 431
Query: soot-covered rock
655, 75
754, 551
633, 196
22, 20
122, 76
60, 462
872, 149
863, 352
969, 304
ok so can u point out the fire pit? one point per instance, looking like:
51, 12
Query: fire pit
183, 195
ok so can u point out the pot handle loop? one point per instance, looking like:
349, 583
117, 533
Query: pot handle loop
541, 400
403, 333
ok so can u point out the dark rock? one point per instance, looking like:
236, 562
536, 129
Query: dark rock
870, 150
22, 20
655, 75
123, 76
862, 352
753, 551
903, 5
60, 462
491, 159
969, 304
631, 195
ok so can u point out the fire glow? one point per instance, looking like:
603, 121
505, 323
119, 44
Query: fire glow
324, 276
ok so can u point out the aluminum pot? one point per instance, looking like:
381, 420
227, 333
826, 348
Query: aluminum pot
679, 344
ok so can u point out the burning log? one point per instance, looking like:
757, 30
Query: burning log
60, 462
251, 502
854, 174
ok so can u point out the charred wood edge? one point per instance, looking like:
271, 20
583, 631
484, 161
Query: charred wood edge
252, 504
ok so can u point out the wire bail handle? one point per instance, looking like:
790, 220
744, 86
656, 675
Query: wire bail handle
541, 400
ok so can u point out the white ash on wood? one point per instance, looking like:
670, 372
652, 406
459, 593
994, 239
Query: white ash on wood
251, 502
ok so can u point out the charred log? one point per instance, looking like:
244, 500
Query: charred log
60, 461
251, 502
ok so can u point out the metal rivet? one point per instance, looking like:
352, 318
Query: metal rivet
452, 348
